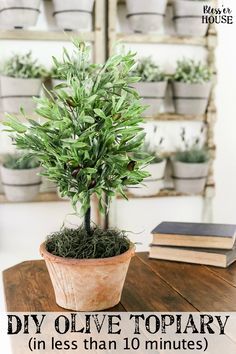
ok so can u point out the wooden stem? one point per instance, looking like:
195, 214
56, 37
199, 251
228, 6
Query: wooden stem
87, 221
106, 219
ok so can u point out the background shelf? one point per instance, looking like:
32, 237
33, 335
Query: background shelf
176, 117
167, 192
41, 197
160, 39
162, 193
98, 38
21, 34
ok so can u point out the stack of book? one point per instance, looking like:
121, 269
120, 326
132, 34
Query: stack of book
200, 243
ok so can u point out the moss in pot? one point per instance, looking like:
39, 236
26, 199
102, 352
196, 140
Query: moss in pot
190, 166
21, 79
152, 85
86, 146
191, 87
20, 177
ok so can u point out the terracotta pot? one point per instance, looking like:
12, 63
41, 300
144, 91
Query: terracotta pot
153, 95
20, 185
190, 178
19, 13
154, 183
17, 93
191, 99
74, 14
87, 284
145, 16
188, 18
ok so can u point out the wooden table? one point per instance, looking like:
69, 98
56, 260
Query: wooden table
150, 285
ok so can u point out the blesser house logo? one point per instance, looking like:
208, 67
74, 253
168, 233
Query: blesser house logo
217, 15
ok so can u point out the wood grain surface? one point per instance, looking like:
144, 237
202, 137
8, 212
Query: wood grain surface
200, 286
151, 285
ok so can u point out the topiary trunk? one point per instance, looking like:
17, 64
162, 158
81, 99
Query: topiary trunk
87, 221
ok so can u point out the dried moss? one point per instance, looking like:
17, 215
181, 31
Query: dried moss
75, 243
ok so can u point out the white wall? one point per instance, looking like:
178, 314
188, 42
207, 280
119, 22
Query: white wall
23, 226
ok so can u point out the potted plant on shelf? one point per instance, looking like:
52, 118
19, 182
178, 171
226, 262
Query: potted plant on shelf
152, 85
19, 14
155, 182
59, 74
86, 146
188, 17
145, 16
190, 166
191, 87
74, 15
21, 79
20, 177
57, 77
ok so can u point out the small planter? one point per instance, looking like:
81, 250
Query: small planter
188, 18
56, 82
145, 16
153, 95
60, 196
17, 93
20, 185
190, 178
191, 99
47, 186
154, 183
87, 284
19, 13
73, 14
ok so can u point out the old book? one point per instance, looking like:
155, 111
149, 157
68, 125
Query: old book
218, 258
200, 235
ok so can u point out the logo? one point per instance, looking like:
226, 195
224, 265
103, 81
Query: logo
218, 15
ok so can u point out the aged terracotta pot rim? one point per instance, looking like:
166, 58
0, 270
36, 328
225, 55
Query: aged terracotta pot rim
87, 262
